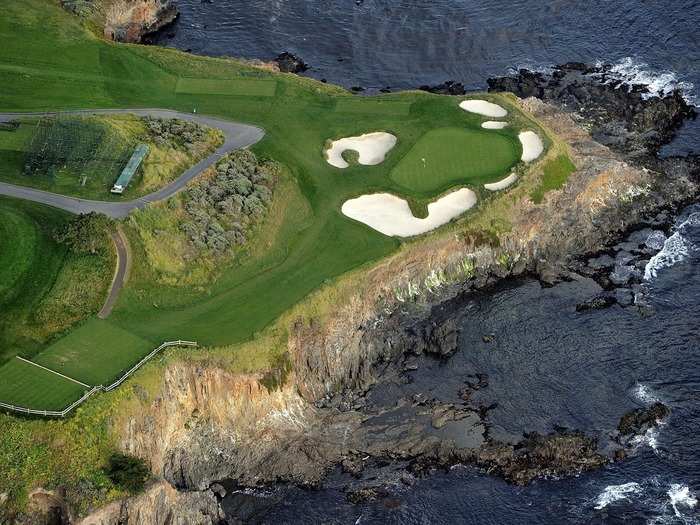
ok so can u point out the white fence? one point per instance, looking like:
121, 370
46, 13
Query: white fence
98, 388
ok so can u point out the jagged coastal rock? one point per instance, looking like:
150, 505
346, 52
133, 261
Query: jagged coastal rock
132, 21
290, 63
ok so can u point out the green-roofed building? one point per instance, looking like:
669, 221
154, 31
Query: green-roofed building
130, 169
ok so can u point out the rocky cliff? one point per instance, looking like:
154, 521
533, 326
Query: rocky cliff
131, 20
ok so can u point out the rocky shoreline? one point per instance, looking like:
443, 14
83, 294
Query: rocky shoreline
351, 404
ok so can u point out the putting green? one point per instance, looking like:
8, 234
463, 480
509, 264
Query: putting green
448, 156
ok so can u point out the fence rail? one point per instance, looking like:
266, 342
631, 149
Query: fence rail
95, 389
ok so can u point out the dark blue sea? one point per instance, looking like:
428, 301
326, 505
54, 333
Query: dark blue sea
552, 365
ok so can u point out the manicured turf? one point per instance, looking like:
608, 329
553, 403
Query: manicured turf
81, 71
29, 386
238, 87
448, 156
78, 356
30, 261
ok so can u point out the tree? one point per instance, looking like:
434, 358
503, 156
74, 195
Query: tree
85, 234
128, 472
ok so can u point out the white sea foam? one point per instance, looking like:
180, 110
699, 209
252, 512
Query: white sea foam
649, 438
645, 395
660, 83
680, 496
676, 249
614, 493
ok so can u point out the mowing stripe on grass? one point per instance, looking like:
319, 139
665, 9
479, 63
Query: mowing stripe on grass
373, 107
253, 87
97, 352
53, 371
22, 384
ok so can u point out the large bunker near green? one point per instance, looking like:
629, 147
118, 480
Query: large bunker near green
446, 157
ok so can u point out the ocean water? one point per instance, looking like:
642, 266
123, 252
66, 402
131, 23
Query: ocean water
407, 43
553, 366
550, 365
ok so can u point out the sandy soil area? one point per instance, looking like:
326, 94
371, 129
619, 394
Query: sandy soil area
532, 145
371, 147
482, 107
392, 216
492, 124
502, 184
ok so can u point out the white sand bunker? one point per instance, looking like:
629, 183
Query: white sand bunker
371, 147
493, 124
488, 109
391, 215
503, 183
532, 145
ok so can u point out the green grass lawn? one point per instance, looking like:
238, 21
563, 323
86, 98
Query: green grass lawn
554, 176
49, 62
29, 386
448, 156
77, 355
30, 262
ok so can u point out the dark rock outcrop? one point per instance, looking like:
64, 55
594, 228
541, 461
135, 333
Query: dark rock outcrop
290, 63
640, 420
450, 87
626, 118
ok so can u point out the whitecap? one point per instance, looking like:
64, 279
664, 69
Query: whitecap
660, 83
614, 493
676, 248
680, 496
645, 395
649, 438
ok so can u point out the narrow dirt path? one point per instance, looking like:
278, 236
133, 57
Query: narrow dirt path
121, 273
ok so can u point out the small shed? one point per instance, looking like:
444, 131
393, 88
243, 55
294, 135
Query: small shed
130, 169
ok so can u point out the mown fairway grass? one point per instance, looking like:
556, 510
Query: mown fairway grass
30, 262
29, 386
48, 61
78, 357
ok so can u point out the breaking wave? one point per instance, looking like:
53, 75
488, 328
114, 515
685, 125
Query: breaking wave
613, 493
676, 248
660, 83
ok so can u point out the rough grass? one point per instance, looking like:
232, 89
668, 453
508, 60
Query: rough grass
555, 173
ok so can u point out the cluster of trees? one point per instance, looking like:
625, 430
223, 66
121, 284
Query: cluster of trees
85, 234
128, 472
176, 133
222, 208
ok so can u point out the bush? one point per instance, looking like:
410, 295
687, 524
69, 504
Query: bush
175, 133
86, 234
222, 208
128, 472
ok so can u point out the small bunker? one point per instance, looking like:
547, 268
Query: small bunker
130, 169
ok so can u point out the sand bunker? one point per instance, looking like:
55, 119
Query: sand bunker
503, 183
371, 147
488, 109
391, 215
492, 124
532, 145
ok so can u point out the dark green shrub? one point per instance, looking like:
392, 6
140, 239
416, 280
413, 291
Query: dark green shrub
128, 472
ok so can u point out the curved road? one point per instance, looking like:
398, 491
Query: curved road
236, 136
